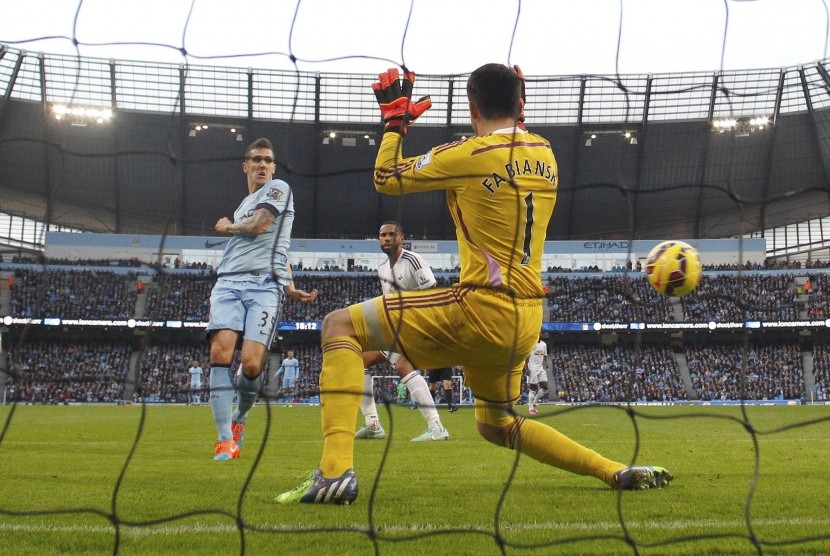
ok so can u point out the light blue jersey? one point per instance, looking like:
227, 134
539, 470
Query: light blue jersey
249, 290
265, 254
195, 378
290, 370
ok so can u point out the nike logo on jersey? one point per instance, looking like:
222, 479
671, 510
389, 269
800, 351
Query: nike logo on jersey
210, 244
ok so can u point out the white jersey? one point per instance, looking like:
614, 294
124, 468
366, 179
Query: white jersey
537, 357
410, 272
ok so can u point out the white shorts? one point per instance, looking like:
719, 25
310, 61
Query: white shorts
537, 375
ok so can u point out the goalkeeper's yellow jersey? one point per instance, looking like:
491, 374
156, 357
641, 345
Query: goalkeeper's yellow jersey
501, 190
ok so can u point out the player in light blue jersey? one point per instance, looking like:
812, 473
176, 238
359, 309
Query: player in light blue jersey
195, 393
289, 371
254, 275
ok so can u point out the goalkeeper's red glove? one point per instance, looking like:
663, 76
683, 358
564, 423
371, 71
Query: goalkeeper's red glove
521, 119
396, 107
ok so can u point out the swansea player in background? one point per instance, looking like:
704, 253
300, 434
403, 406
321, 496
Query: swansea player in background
537, 379
501, 187
403, 270
253, 277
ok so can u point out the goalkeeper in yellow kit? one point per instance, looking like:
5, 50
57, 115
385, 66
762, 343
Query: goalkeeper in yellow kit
501, 188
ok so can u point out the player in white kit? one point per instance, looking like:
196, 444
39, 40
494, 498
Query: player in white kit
537, 380
403, 270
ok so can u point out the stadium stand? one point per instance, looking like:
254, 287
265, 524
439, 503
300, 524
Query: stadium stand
53, 372
607, 298
821, 371
73, 293
180, 296
615, 374
748, 297
707, 368
767, 372
163, 371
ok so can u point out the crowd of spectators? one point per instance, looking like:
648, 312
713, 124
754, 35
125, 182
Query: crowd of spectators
605, 299
47, 372
61, 372
821, 371
749, 297
133, 262
728, 372
163, 372
580, 373
629, 298
584, 373
332, 293
817, 289
180, 297
74, 294
771, 264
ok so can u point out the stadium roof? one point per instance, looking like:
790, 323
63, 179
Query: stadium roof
692, 155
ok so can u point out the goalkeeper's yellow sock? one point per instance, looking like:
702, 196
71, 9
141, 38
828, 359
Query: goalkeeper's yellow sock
546, 444
341, 389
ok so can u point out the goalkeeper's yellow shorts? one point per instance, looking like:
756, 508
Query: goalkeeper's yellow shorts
485, 331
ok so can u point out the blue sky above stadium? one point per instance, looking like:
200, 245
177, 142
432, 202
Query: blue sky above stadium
552, 37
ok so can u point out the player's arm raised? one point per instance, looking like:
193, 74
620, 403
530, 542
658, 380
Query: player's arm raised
398, 111
258, 223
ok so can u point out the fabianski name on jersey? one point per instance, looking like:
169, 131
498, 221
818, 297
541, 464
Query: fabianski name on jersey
517, 168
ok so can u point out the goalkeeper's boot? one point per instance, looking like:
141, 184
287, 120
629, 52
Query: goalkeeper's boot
432, 433
369, 433
641, 478
226, 450
238, 430
316, 489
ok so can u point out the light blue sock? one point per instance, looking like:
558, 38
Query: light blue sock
221, 399
248, 391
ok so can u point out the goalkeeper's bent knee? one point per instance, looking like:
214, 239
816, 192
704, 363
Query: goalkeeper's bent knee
495, 415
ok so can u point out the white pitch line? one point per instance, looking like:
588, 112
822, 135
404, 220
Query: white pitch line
603, 526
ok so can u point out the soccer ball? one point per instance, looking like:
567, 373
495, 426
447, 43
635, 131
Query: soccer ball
673, 268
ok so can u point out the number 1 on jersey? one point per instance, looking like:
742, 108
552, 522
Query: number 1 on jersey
528, 200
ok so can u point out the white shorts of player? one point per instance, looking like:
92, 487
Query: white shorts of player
391, 356
537, 375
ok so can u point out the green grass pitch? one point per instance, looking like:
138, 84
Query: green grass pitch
133, 480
